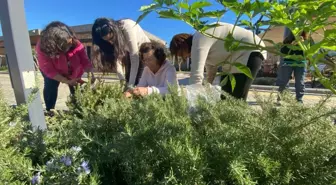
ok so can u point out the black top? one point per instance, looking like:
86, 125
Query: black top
288, 51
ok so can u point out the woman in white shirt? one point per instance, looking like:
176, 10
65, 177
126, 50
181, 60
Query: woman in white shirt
158, 73
116, 45
209, 53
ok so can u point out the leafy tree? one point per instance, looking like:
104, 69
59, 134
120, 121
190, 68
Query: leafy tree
296, 15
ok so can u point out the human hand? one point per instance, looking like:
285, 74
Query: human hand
73, 82
81, 82
140, 91
128, 94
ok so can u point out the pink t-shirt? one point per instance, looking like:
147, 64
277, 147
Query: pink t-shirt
51, 66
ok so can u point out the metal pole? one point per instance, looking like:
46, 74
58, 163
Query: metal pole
20, 59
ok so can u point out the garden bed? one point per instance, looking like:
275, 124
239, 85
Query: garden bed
108, 139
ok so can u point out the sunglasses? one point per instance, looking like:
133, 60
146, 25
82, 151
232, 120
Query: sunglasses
103, 30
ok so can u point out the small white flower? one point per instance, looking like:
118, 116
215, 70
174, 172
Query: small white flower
12, 124
76, 148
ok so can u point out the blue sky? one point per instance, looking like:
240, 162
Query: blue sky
75, 12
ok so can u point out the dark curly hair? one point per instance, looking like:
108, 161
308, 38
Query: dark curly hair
179, 43
105, 54
158, 49
54, 38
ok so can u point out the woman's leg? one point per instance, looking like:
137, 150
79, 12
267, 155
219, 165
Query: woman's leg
284, 75
140, 70
127, 63
299, 74
50, 92
72, 90
243, 82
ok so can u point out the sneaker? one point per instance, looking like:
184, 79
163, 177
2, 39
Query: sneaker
49, 113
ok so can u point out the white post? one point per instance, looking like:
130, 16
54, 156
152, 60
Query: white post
20, 59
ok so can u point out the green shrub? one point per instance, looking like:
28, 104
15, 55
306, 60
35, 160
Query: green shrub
15, 168
25, 156
162, 141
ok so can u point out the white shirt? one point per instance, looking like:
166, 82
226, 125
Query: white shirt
209, 52
134, 36
158, 82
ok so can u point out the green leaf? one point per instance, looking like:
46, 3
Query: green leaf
170, 2
183, 5
169, 14
314, 49
240, 48
200, 4
142, 16
244, 69
330, 33
232, 81
224, 81
160, 2
329, 45
264, 23
209, 26
246, 23
212, 14
228, 41
247, 7
149, 7
222, 74
292, 47
295, 57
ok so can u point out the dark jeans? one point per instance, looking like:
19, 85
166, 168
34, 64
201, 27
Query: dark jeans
50, 92
127, 63
284, 75
243, 82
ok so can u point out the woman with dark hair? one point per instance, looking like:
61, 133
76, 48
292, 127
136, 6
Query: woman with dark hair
116, 45
61, 58
158, 72
209, 53
288, 66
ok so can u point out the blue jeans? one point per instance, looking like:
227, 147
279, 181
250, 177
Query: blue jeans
284, 74
50, 92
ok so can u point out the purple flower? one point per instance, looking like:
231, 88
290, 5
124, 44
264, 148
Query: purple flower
76, 149
85, 167
36, 178
66, 160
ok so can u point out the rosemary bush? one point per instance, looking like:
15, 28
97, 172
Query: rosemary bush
105, 138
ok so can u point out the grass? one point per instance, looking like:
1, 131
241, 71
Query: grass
3, 68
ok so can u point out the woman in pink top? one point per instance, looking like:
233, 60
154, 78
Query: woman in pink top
158, 73
61, 58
